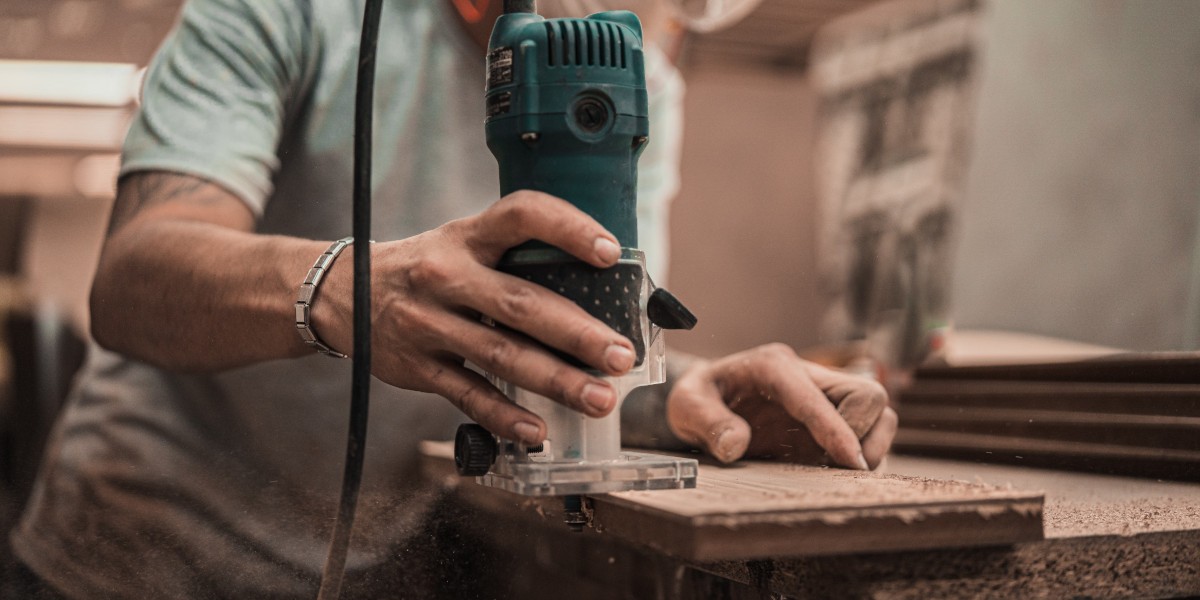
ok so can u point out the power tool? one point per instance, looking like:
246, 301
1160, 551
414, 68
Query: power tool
567, 114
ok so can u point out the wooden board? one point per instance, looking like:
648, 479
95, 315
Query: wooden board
759, 510
1181, 400
1160, 432
1135, 414
1144, 367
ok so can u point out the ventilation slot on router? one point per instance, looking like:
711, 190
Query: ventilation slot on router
582, 42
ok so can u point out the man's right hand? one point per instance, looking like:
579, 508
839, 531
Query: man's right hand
429, 291
185, 284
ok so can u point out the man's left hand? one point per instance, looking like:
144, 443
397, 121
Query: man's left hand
769, 403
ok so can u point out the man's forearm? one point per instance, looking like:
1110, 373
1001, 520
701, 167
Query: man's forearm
198, 295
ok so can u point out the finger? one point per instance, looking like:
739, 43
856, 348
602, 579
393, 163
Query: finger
879, 439
485, 404
859, 400
697, 415
775, 372
519, 361
544, 316
528, 215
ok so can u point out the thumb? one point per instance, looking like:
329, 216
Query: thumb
697, 414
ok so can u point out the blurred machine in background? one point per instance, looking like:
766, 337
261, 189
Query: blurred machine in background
896, 85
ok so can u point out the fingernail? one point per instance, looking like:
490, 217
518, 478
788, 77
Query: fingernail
725, 446
526, 433
618, 358
862, 462
607, 250
598, 397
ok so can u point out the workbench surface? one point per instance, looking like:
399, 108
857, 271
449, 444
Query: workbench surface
1079, 504
1104, 537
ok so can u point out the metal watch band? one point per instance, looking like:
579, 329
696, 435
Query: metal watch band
308, 291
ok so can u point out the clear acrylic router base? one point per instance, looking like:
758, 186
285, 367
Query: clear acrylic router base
630, 471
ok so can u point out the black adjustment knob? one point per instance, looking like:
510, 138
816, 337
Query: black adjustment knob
474, 450
591, 115
666, 311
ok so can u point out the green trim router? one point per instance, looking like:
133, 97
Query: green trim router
567, 115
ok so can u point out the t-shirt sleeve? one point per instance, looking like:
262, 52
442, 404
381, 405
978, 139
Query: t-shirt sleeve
658, 167
216, 95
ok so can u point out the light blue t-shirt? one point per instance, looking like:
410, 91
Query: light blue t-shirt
159, 484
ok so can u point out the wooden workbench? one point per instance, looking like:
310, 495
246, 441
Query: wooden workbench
1100, 536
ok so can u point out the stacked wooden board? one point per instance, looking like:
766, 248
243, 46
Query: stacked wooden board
1133, 414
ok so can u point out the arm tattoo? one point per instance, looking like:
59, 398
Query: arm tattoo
138, 191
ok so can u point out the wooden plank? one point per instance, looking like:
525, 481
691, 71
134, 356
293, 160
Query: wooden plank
1167, 463
976, 347
758, 510
1144, 429
1139, 431
1123, 398
908, 437
1144, 367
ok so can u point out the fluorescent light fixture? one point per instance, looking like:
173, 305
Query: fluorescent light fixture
60, 176
61, 82
64, 127
96, 175
47, 176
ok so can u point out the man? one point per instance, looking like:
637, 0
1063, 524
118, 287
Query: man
200, 455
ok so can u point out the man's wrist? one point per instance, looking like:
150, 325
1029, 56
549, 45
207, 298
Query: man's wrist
307, 294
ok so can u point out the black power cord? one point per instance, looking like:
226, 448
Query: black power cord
360, 387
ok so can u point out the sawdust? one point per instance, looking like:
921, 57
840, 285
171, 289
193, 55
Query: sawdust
1079, 504
1067, 518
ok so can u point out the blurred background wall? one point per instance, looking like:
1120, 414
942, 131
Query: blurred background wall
1081, 210
1084, 192
743, 227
